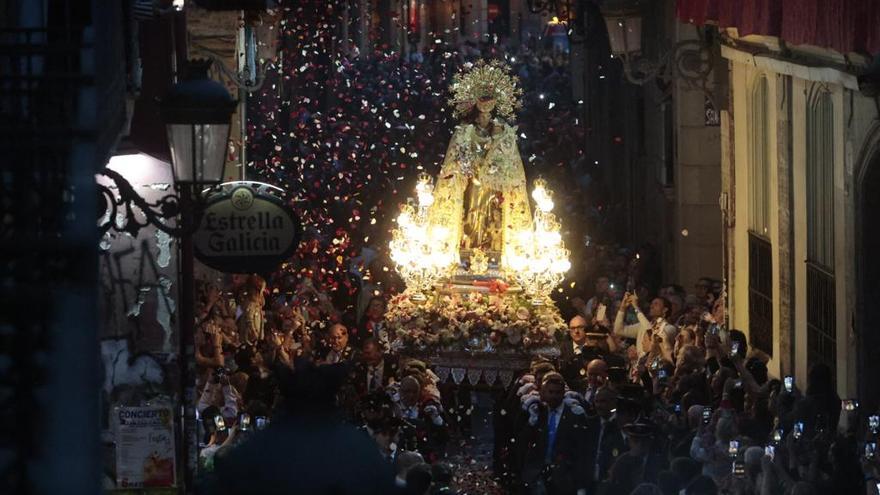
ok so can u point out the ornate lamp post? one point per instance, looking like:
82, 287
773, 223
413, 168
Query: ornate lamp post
687, 59
196, 113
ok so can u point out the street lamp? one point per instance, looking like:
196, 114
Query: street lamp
196, 113
624, 32
687, 59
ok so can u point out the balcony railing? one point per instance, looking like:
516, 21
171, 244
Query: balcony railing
821, 317
760, 294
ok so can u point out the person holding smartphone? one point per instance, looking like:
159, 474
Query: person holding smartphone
645, 330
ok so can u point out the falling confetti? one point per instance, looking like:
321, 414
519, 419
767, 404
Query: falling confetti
346, 137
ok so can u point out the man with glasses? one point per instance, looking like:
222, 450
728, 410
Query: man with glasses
571, 348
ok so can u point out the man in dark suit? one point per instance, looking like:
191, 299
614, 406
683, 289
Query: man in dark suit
604, 439
570, 349
506, 416
549, 439
374, 370
339, 349
597, 377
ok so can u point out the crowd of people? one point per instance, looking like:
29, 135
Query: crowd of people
650, 393
248, 343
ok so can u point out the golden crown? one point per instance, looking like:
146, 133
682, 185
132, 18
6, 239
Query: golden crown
482, 79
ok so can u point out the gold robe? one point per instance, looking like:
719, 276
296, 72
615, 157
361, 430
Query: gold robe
481, 195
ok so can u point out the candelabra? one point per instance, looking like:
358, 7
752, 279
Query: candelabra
539, 260
422, 252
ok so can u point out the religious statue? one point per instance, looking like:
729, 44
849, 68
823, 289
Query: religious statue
480, 195
478, 261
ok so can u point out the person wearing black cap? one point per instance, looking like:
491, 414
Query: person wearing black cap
308, 448
639, 464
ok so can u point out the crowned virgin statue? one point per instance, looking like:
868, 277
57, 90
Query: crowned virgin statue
480, 195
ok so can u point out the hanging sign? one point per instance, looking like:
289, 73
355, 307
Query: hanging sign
246, 229
144, 447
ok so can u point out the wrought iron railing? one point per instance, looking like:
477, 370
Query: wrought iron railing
821, 317
760, 294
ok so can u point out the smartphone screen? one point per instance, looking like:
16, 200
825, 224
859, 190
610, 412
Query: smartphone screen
261, 422
600, 312
219, 423
789, 383
770, 451
245, 421
707, 415
733, 448
734, 348
870, 450
798, 429
874, 423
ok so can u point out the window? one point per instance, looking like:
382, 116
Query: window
760, 252
820, 182
760, 294
821, 308
759, 162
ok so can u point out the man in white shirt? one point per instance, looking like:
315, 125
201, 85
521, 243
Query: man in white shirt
603, 291
644, 330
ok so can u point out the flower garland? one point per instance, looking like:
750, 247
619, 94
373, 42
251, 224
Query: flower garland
472, 321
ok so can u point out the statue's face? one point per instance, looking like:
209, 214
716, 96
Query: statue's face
486, 104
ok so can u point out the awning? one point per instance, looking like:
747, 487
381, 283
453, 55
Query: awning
841, 25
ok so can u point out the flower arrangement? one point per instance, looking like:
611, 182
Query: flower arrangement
472, 321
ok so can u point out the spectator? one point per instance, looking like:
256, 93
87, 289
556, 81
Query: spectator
549, 440
374, 371
339, 349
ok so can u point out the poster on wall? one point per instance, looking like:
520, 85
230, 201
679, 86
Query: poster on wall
145, 447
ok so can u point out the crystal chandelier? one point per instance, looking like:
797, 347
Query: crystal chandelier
539, 260
421, 251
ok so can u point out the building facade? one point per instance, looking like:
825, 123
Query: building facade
798, 162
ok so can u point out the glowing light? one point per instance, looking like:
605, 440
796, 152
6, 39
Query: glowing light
539, 260
422, 253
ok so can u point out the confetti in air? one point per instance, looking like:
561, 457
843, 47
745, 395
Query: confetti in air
347, 136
